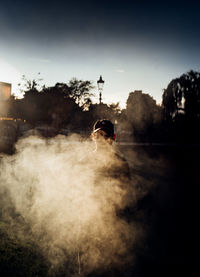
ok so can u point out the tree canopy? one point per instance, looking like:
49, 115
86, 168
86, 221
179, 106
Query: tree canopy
182, 97
69, 105
142, 113
56, 105
181, 104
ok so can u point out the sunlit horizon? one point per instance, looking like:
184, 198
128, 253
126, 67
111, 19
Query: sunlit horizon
118, 82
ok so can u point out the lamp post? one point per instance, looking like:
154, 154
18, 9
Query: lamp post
100, 84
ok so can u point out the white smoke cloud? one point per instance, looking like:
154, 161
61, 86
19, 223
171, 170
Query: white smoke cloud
70, 196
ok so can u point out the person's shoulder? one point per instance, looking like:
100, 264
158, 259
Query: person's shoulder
119, 156
122, 164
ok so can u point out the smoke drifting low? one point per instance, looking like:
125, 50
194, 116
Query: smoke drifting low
70, 198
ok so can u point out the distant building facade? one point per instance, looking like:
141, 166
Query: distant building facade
5, 91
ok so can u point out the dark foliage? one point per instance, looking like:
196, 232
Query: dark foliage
68, 106
181, 104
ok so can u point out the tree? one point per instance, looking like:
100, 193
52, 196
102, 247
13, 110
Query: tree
142, 114
30, 85
80, 91
57, 105
181, 103
182, 97
59, 108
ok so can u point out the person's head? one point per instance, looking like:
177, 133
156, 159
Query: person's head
103, 131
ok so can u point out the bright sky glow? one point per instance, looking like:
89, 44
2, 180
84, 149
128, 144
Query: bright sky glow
9, 74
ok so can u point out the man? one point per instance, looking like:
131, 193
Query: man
103, 133
109, 193
104, 136
114, 194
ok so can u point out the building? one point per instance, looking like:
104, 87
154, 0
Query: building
5, 91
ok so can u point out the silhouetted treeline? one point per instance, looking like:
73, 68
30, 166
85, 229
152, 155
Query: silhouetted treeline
181, 107
69, 106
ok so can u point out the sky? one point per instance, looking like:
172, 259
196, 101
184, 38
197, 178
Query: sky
134, 45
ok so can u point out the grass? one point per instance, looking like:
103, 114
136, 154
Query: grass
20, 257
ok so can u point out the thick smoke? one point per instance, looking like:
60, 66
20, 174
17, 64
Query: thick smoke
71, 198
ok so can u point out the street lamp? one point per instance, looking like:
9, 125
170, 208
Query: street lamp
100, 84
